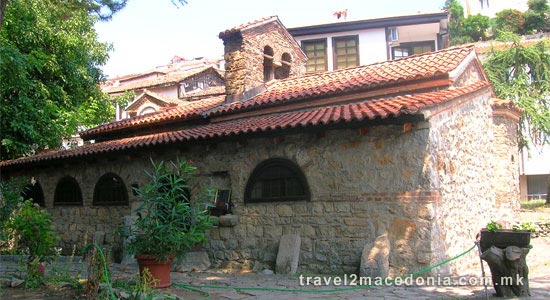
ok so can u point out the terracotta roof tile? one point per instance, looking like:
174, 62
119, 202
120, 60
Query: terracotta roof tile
354, 79
142, 97
505, 104
174, 77
247, 25
363, 110
185, 110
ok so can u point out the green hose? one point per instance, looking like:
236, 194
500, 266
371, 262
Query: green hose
196, 288
105, 272
206, 295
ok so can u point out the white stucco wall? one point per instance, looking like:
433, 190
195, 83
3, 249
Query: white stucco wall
372, 45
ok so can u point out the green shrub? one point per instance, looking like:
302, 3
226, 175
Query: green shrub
31, 232
168, 222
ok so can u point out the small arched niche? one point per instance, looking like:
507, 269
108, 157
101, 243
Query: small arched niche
284, 70
268, 64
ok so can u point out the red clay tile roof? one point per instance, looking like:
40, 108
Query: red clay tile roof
505, 104
185, 110
354, 79
247, 26
162, 98
359, 111
319, 85
162, 80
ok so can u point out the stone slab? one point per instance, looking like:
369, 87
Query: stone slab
375, 258
193, 261
288, 255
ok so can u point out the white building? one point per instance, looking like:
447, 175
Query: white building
347, 44
489, 8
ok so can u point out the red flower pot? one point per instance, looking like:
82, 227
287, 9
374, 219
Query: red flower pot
159, 270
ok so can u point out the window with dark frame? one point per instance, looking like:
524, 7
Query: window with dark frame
345, 51
276, 179
67, 192
316, 51
407, 49
34, 191
110, 190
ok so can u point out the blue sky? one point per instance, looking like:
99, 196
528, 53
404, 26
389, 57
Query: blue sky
148, 33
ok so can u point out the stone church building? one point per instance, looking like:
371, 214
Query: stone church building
417, 149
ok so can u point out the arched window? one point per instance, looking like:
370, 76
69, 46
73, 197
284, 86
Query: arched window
110, 190
147, 110
67, 192
283, 71
34, 191
276, 179
268, 64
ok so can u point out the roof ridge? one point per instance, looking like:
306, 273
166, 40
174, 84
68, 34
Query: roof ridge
247, 25
449, 49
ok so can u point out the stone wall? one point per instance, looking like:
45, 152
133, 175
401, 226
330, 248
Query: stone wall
429, 189
363, 183
506, 166
244, 56
462, 158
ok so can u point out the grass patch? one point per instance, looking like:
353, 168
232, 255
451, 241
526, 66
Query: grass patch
533, 204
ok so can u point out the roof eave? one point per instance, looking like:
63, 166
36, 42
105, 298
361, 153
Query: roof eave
369, 24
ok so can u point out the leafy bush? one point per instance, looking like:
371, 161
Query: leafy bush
509, 20
493, 226
31, 232
168, 222
10, 198
537, 16
476, 27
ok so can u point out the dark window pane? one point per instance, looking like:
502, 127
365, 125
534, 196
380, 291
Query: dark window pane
317, 55
346, 52
67, 192
276, 180
34, 192
110, 190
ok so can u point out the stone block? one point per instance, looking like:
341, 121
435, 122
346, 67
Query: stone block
126, 257
229, 220
375, 258
284, 210
288, 255
192, 261
99, 237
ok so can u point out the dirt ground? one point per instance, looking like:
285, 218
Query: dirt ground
538, 261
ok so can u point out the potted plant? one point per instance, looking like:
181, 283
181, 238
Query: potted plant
168, 224
495, 235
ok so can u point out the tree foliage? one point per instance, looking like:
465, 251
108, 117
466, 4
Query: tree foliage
521, 73
537, 17
103, 9
49, 75
509, 20
465, 30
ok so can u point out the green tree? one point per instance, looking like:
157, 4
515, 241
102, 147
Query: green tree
49, 74
104, 9
521, 73
475, 27
465, 30
509, 20
537, 17
456, 21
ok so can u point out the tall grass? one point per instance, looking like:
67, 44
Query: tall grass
533, 204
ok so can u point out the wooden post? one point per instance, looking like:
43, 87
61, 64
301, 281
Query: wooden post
509, 270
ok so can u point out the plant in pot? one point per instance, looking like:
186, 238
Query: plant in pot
494, 234
168, 224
